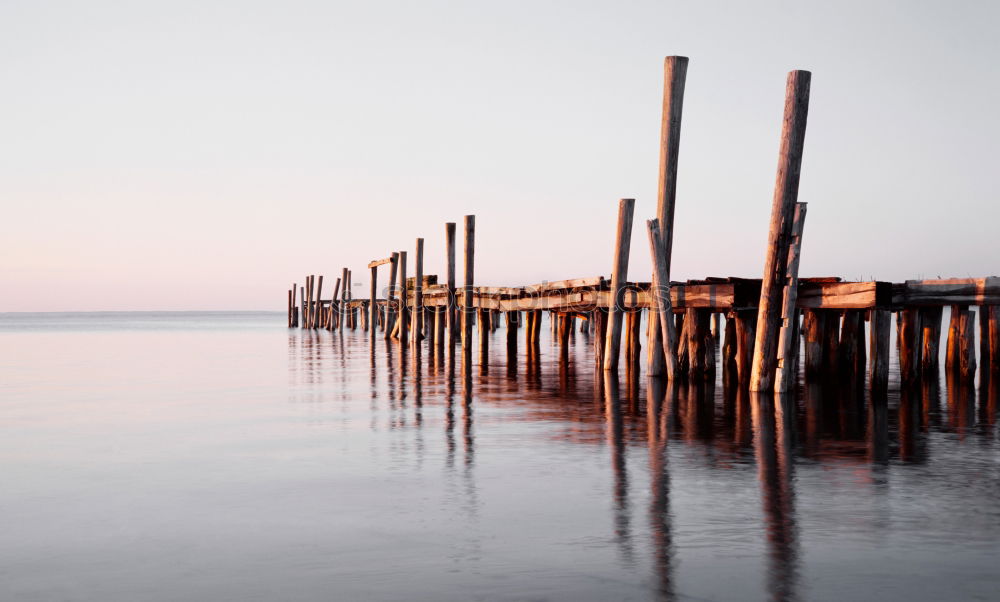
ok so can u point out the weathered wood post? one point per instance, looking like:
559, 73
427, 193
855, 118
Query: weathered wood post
661, 309
373, 304
390, 310
467, 305
623, 237
418, 296
746, 328
788, 333
786, 191
878, 366
302, 303
930, 324
333, 305
307, 305
909, 346
967, 349
674, 77
451, 307
952, 360
404, 326
343, 299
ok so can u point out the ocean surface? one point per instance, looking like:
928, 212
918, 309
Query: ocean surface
222, 456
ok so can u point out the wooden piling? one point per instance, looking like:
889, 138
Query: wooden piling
600, 334
372, 304
449, 237
696, 324
674, 77
418, 295
930, 325
334, 305
993, 320
404, 327
909, 346
467, 307
813, 332
878, 363
746, 326
302, 308
661, 348
786, 190
307, 304
623, 237
730, 373
788, 339
952, 360
319, 293
390, 308
342, 314
967, 342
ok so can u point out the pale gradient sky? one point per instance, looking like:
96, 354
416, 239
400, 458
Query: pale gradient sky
204, 155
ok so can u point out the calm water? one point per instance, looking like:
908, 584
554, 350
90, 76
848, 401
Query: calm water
203, 456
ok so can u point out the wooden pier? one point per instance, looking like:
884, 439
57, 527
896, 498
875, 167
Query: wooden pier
843, 328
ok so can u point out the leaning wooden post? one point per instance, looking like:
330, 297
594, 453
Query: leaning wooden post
418, 296
787, 335
661, 313
786, 191
674, 76
373, 305
334, 305
467, 307
623, 237
390, 311
403, 311
345, 281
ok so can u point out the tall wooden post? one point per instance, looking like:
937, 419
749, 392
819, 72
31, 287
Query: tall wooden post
786, 191
390, 311
302, 303
372, 304
343, 298
451, 309
467, 308
674, 76
788, 333
623, 237
661, 311
404, 327
418, 295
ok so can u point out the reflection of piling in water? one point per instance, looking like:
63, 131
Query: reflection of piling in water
616, 444
772, 447
659, 483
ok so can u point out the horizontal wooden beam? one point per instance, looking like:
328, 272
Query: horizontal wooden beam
377, 262
952, 291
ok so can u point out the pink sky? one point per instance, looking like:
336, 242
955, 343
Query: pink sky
189, 157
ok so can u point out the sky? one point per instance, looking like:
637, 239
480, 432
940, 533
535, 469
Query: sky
206, 155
